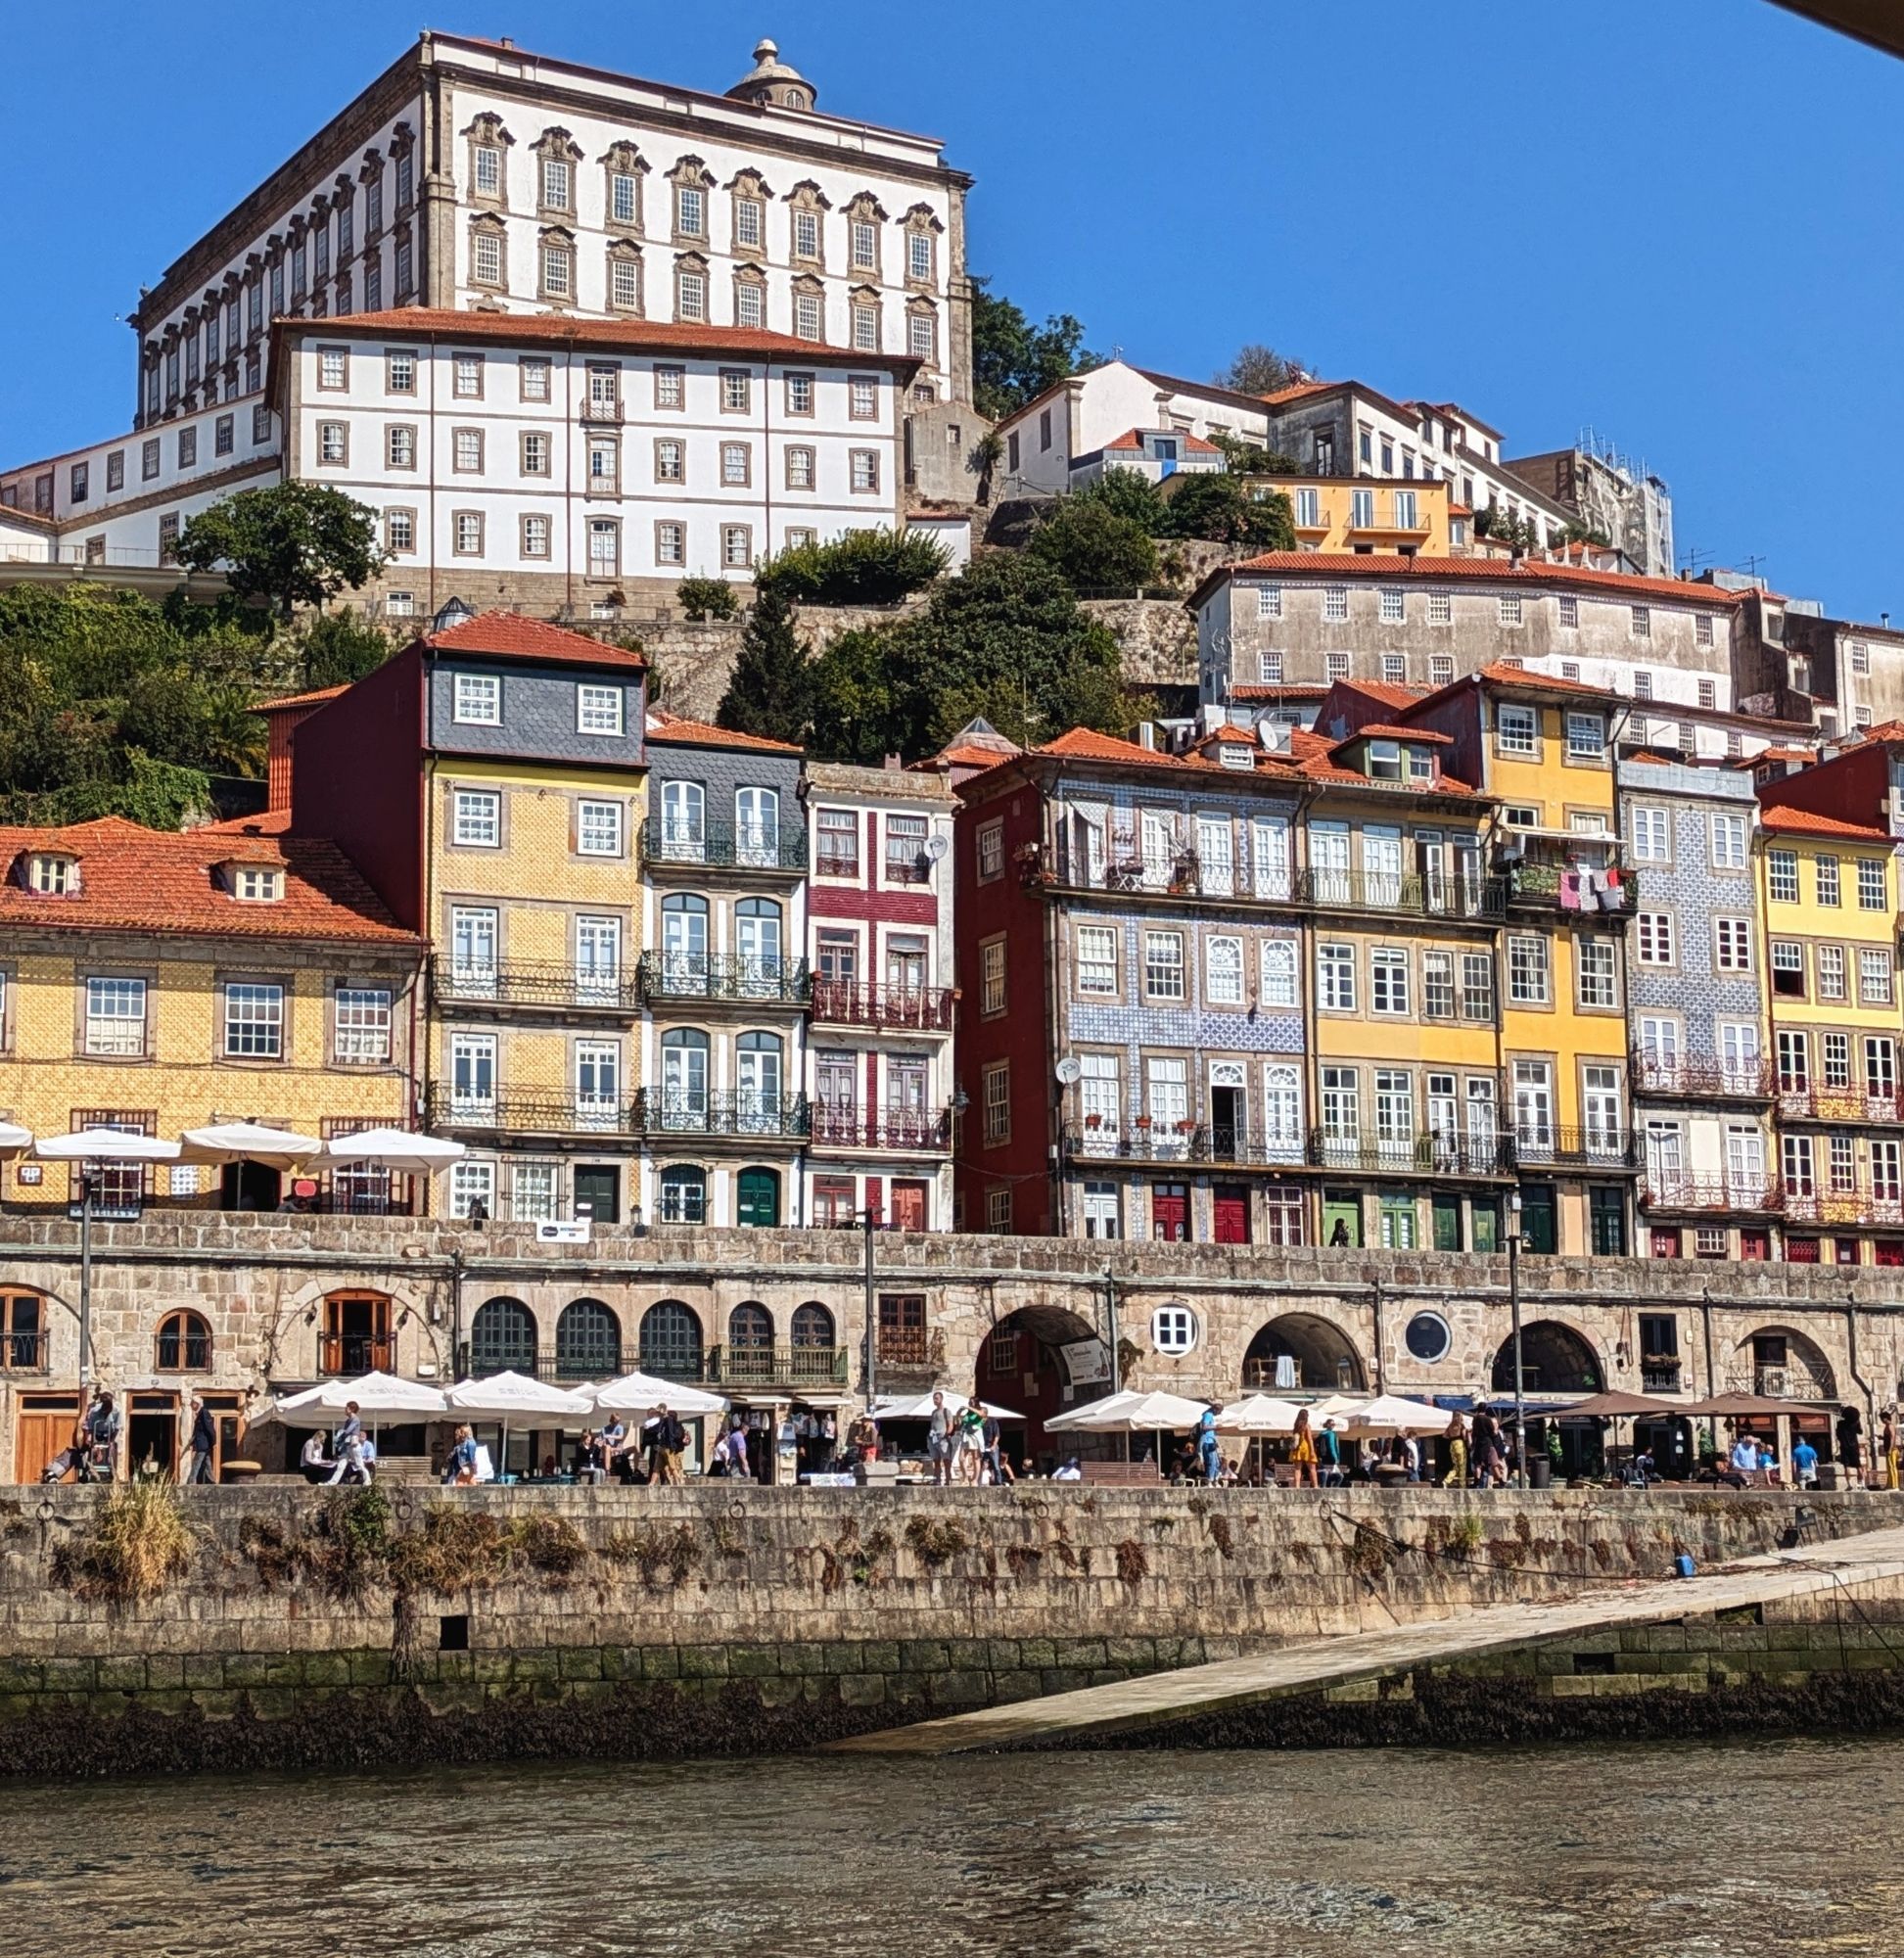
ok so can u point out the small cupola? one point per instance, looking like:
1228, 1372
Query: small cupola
772, 84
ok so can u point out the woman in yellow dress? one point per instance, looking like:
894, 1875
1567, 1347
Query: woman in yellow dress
1303, 1454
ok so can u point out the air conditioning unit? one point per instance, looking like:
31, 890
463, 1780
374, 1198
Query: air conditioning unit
1771, 1382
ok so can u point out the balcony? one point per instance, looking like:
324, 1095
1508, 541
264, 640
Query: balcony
24, 1352
916, 1009
1705, 1077
1660, 1374
655, 1112
1568, 875
793, 1367
754, 982
1150, 1142
1666, 1190
723, 845
350, 1354
595, 409
1837, 1104
530, 1114
554, 1363
548, 984
1541, 1145
1794, 1380
1843, 1207
1126, 865
1457, 898
913, 1132
1412, 1156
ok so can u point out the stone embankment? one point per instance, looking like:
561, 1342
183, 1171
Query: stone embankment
304, 1627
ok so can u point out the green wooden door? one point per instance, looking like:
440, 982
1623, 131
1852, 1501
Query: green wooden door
1342, 1219
758, 1197
1447, 1223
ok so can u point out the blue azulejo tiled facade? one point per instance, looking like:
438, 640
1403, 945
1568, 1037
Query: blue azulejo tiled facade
1696, 1005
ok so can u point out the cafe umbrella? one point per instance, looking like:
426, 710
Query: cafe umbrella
14, 1141
398, 1150
248, 1141
506, 1397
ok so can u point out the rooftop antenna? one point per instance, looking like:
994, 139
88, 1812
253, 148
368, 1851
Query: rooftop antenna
1753, 563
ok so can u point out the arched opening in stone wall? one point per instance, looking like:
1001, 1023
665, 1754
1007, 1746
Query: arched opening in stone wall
588, 1341
502, 1338
1303, 1353
1553, 1360
671, 1342
1782, 1364
1040, 1361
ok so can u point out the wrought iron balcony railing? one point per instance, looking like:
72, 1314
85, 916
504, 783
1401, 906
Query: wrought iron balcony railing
24, 1352
1807, 1103
1541, 882
1412, 1155
656, 1111
352, 1353
520, 982
753, 981
1705, 1076
1842, 1206
881, 1128
778, 1366
1541, 1146
1667, 1189
1414, 895
534, 1114
725, 846
1154, 1141
851, 1003
651, 1111
476, 1362
1794, 1380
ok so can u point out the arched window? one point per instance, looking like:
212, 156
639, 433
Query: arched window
588, 1341
684, 1079
756, 1083
684, 941
813, 1325
671, 1342
757, 825
684, 1195
184, 1344
750, 1344
502, 1338
357, 1336
757, 945
684, 834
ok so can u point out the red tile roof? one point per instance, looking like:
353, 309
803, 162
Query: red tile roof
1386, 733
314, 699
1298, 390
675, 727
1388, 692
1772, 753
1808, 822
626, 336
1294, 690
1228, 733
1502, 674
512, 637
149, 880
1133, 438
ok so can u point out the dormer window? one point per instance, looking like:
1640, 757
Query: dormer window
1420, 764
1236, 755
53, 876
1386, 761
257, 883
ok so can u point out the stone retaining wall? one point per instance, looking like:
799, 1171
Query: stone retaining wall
642, 1622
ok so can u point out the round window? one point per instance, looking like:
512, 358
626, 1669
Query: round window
1173, 1331
1428, 1337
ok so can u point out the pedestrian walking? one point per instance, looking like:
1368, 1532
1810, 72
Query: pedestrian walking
1804, 1464
969, 1461
1302, 1452
667, 1438
992, 1436
939, 1442
203, 1443
1328, 1455
460, 1472
1209, 1449
347, 1447
1456, 1436
1888, 1443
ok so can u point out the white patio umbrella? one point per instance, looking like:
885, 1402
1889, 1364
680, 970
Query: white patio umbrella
105, 1145
1391, 1414
380, 1397
919, 1408
248, 1141
14, 1141
398, 1149
1131, 1414
1260, 1414
515, 1397
642, 1394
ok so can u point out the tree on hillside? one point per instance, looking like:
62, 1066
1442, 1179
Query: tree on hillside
293, 543
1257, 369
771, 691
1007, 639
1095, 546
1012, 360
1222, 509
340, 647
1131, 493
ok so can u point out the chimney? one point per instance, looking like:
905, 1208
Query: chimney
892, 765
1147, 734
1883, 618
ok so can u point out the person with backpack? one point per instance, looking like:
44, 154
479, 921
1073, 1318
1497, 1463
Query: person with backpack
203, 1443
667, 1438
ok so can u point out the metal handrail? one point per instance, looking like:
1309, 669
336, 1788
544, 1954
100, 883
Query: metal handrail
725, 845
680, 975
867, 1003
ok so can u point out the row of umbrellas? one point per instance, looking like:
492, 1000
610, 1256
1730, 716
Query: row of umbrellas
1261, 1413
396, 1149
506, 1397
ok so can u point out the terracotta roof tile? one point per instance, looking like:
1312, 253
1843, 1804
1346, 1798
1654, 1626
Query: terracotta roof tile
1808, 822
675, 728
149, 880
1294, 690
1384, 732
1386, 691
315, 699
627, 336
512, 637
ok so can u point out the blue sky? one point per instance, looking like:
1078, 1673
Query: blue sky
1676, 222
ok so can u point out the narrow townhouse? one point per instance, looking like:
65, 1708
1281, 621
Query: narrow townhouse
723, 978
490, 779
879, 906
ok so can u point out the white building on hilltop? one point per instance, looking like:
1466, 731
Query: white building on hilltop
475, 178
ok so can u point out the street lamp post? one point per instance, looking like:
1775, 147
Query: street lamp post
871, 1221
1514, 1306
85, 1281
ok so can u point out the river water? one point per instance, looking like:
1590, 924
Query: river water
1657, 1851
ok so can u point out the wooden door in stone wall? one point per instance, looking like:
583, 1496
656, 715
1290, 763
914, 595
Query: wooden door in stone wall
42, 1428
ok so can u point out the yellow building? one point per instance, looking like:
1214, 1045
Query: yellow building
1542, 751
159, 981
1828, 914
1401, 920
492, 780
1348, 513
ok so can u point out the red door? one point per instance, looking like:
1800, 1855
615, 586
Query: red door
907, 1206
1230, 1215
1170, 1213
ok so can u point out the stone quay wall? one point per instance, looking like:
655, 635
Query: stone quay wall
319, 1628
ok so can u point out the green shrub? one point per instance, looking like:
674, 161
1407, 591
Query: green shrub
1094, 548
707, 599
861, 568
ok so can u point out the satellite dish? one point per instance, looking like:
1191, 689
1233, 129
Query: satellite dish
937, 848
1069, 1069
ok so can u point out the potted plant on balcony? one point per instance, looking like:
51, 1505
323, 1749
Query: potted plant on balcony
1093, 1121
